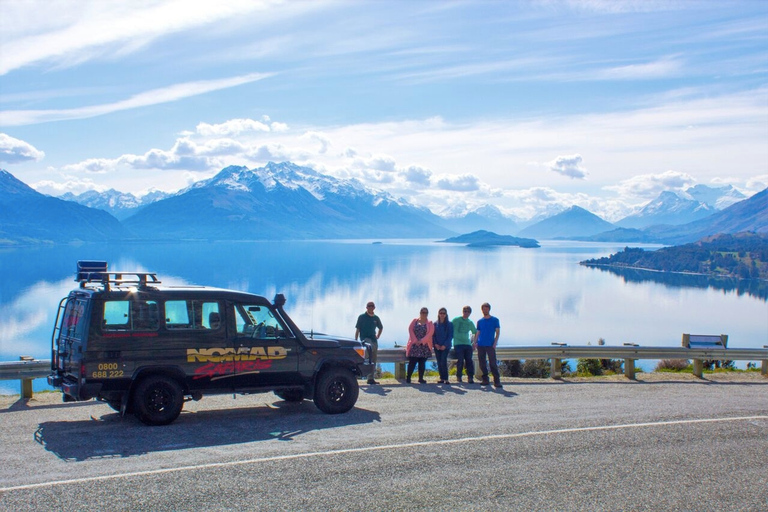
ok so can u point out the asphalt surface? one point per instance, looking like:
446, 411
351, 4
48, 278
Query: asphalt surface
656, 444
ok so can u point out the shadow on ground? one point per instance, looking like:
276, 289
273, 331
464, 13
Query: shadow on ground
110, 436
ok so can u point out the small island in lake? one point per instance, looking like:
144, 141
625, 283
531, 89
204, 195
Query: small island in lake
490, 239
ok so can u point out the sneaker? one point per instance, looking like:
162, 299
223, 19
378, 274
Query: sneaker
407, 380
485, 383
371, 381
470, 381
497, 384
422, 381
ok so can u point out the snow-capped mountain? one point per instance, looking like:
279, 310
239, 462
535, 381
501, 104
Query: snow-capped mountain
574, 222
120, 204
716, 197
668, 208
282, 201
486, 217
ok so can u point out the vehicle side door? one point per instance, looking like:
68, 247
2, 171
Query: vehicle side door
266, 352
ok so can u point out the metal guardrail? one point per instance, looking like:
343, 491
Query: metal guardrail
28, 369
628, 353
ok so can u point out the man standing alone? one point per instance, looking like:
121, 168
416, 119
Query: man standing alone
366, 328
487, 337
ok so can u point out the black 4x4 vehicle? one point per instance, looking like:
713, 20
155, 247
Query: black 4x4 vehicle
144, 348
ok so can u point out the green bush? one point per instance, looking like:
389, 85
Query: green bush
588, 367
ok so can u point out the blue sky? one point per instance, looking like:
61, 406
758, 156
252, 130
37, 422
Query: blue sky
524, 105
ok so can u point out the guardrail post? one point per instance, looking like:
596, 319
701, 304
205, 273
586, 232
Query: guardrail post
399, 371
764, 369
698, 368
556, 368
26, 384
629, 368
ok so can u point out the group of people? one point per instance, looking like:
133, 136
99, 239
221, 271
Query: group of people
426, 336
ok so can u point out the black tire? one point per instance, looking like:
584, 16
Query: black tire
336, 390
290, 395
158, 400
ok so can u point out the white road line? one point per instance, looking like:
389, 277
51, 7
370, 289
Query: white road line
374, 448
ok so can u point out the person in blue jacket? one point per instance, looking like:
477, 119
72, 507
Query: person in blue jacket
441, 340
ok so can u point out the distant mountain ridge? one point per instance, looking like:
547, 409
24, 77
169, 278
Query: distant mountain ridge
287, 201
574, 222
668, 208
27, 216
119, 204
281, 201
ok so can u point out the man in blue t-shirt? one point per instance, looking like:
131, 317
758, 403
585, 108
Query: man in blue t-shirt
487, 337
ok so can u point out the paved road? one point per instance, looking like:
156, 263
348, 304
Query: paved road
598, 445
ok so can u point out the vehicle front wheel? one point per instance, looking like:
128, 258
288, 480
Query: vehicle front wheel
290, 395
158, 400
336, 390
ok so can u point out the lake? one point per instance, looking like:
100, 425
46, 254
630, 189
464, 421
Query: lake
539, 295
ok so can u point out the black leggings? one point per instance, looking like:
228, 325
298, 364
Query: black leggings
412, 361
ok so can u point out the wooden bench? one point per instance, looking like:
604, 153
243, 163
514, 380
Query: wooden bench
703, 341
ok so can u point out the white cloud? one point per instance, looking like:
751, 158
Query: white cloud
231, 127
662, 68
417, 175
154, 97
460, 183
569, 166
73, 32
14, 151
648, 186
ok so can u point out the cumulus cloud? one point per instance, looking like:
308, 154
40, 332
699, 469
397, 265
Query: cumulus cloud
92, 165
14, 151
568, 166
320, 138
231, 127
460, 183
651, 185
417, 175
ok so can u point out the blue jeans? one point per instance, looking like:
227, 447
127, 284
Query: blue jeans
464, 357
442, 363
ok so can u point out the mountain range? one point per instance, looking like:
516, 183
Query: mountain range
287, 201
26, 216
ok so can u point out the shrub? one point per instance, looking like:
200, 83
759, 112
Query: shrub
672, 365
588, 367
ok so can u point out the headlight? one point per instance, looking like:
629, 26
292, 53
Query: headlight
360, 351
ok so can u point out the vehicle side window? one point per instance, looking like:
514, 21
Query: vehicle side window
192, 314
131, 315
257, 322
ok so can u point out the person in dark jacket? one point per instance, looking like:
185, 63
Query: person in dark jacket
441, 341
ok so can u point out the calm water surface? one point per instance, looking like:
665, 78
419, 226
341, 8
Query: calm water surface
540, 295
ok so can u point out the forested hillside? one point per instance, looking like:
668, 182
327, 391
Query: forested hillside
743, 255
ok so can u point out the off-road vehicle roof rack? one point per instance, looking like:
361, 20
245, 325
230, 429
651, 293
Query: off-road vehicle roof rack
95, 272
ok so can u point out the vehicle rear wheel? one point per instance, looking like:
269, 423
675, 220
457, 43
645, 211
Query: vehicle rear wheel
290, 395
336, 390
158, 400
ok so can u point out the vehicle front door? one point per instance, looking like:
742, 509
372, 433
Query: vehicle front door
266, 352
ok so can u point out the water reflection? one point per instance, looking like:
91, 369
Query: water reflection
540, 295
753, 287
